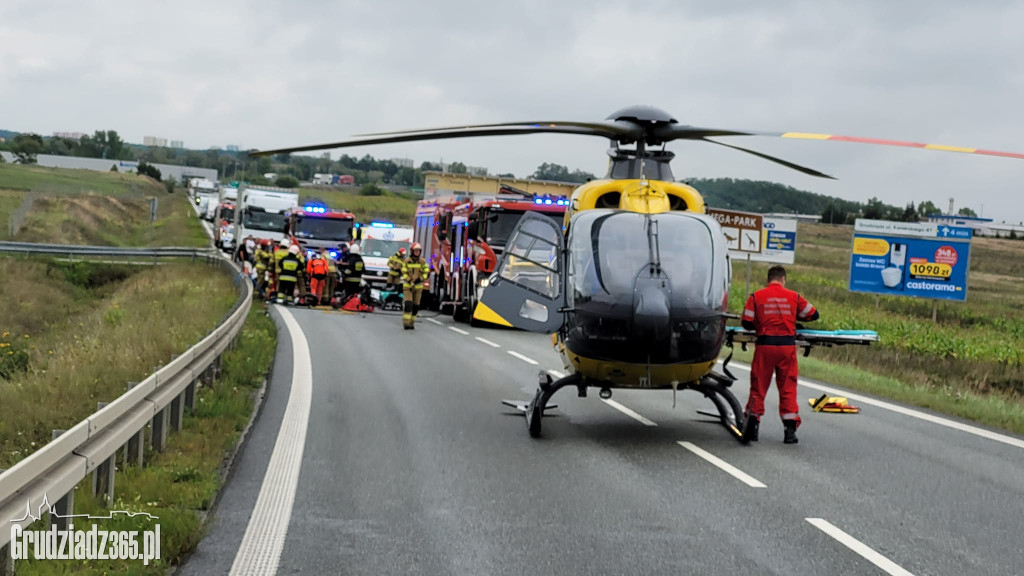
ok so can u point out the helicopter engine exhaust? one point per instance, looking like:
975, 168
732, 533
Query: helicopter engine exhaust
605, 393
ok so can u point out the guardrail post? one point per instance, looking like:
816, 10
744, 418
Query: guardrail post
6, 562
65, 506
103, 480
159, 437
103, 476
135, 449
177, 412
190, 396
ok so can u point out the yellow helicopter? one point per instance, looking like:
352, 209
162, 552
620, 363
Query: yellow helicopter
634, 284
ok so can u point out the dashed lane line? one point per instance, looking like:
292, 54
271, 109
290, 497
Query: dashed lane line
888, 566
260, 551
723, 465
458, 330
488, 342
1009, 440
629, 412
435, 321
526, 359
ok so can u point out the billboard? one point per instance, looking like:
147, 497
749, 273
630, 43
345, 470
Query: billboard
922, 260
778, 241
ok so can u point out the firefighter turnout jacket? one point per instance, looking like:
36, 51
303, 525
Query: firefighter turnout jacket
352, 268
395, 266
262, 258
289, 268
415, 272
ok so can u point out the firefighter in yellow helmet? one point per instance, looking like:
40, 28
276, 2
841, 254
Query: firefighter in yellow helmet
289, 274
415, 275
395, 268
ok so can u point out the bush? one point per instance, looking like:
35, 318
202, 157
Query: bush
149, 170
287, 181
169, 184
371, 190
113, 168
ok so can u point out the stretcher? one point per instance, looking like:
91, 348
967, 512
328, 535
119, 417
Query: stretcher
806, 339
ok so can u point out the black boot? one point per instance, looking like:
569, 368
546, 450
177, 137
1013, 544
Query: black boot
750, 429
790, 437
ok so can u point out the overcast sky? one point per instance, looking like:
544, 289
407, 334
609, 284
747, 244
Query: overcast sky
264, 74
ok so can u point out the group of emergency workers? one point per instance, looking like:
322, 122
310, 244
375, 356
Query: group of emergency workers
282, 273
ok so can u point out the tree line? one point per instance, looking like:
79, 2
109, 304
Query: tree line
764, 197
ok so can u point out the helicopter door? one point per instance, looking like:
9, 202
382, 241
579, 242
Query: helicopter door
526, 288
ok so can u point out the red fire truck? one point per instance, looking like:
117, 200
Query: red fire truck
315, 226
460, 260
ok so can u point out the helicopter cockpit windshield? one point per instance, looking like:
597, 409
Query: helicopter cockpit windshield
639, 279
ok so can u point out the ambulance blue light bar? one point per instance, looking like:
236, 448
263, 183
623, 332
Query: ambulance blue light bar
382, 225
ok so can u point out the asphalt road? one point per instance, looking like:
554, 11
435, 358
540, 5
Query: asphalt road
410, 465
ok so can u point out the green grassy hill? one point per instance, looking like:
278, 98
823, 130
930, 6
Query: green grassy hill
89, 207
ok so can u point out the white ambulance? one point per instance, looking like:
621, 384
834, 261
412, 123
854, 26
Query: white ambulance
379, 240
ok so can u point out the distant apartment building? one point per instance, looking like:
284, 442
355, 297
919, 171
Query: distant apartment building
404, 162
154, 141
71, 135
177, 144
232, 148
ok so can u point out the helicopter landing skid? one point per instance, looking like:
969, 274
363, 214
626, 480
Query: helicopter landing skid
715, 387
546, 388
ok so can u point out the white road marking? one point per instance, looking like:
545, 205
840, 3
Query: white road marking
459, 330
888, 566
435, 321
488, 342
260, 551
523, 358
1016, 442
629, 412
729, 468
556, 373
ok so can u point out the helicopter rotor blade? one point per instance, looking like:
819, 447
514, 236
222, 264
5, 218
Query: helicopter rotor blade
621, 131
611, 129
882, 142
786, 163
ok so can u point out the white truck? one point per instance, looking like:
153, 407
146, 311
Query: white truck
263, 212
379, 241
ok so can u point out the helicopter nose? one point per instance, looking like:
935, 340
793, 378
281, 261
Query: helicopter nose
651, 317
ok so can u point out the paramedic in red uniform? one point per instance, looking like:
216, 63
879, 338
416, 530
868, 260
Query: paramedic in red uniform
772, 312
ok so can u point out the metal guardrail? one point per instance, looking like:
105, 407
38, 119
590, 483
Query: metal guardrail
91, 446
29, 248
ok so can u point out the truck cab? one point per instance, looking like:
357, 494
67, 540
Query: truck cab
315, 226
263, 212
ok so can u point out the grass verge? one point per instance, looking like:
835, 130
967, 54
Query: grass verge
101, 208
181, 483
75, 334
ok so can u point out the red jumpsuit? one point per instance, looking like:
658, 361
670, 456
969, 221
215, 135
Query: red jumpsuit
774, 311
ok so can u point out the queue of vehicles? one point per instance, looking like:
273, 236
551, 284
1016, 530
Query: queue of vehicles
461, 239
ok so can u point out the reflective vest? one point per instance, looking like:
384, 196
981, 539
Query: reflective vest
415, 272
289, 268
317, 268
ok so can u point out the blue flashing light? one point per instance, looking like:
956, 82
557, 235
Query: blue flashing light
334, 253
382, 224
357, 225
314, 209
538, 201
548, 201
